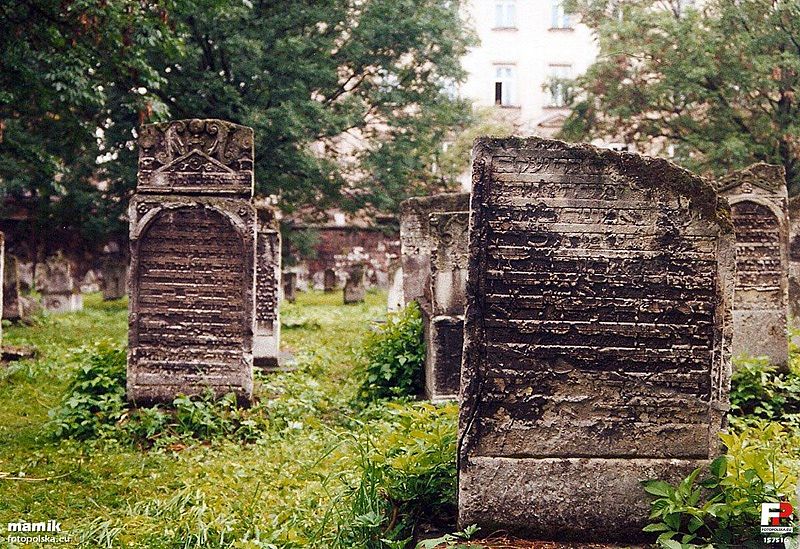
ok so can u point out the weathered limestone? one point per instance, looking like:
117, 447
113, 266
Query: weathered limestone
354, 289
794, 261
597, 337
394, 299
12, 304
758, 199
114, 272
290, 286
192, 242
56, 281
329, 280
266, 344
415, 241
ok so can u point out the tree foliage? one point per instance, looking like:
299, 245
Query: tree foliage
312, 77
716, 84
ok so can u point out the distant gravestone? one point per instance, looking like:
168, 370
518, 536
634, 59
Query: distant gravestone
329, 280
794, 261
394, 299
266, 344
354, 288
597, 337
290, 286
60, 293
443, 312
192, 243
758, 199
2, 287
114, 272
12, 304
415, 240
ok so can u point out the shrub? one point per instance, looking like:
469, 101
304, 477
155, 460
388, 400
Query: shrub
724, 509
392, 358
759, 391
95, 398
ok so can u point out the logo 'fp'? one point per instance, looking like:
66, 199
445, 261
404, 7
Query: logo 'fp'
772, 513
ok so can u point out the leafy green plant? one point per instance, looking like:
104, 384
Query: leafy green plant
393, 357
95, 398
724, 508
451, 540
760, 391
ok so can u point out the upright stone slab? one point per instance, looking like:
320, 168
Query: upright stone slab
290, 286
415, 241
597, 337
354, 288
394, 299
443, 310
794, 261
266, 344
758, 199
114, 272
192, 242
56, 281
329, 280
12, 304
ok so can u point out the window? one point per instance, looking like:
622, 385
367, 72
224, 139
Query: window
505, 14
504, 84
559, 19
558, 85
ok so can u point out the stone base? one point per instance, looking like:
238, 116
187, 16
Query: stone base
761, 333
444, 338
266, 347
563, 499
284, 362
62, 303
148, 389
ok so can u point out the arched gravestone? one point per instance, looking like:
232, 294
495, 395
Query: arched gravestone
597, 337
192, 242
758, 199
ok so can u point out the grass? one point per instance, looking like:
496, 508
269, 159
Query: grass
294, 487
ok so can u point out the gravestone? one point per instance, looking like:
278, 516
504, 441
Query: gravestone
290, 286
192, 274
758, 199
354, 288
794, 261
329, 280
266, 344
2, 287
443, 308
56, 280
12, 304
597, 337
415, 239
114, 272
394, 299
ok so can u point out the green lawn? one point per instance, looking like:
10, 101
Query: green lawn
299, 485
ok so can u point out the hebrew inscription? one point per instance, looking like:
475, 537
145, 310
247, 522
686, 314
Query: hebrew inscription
596, 338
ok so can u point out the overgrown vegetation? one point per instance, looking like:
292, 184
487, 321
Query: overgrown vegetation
393, 357
760, 391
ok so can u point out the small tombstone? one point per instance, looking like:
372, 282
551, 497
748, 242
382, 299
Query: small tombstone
794, 261
394, 300
355, 289
415, 241
192, 249
329, 280
443, 310
266, 343
12, 304
758, 199
114, 272
60, 293
290, 286
596, 339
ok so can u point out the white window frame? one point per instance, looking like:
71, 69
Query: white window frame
505, 14
557, 90
559, 19
506, 75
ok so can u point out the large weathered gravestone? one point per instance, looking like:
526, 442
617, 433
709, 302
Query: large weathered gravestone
415, 238
266, 344
355, 289
12, 304
192, 234
758, 199
443, 310
597, 337
56, 281
794, 261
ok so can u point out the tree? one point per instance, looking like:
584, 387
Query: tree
715, 85
66, 67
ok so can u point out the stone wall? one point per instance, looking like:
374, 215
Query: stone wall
597, 337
